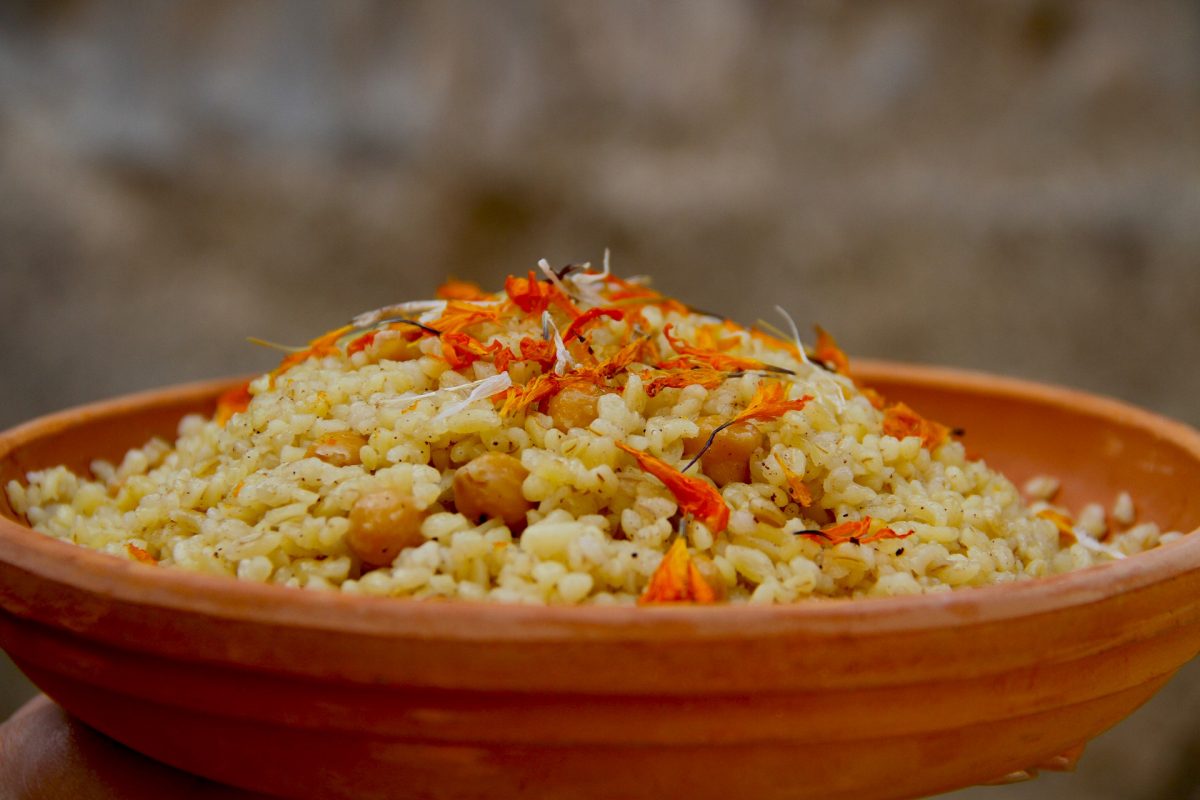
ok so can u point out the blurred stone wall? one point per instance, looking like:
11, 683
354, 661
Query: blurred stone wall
1012, 187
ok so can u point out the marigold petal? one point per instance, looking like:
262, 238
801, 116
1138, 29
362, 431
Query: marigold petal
232, 401
828, 352
901, 421
461, 290
677, 579
588, 317
797, 489
140, 555
696, 497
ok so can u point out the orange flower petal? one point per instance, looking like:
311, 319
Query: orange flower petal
461, 290
1064, 524
797, 489
677, 580
520, 398
876, 399
842, 532
768, 403
323, 345
538, 350
777, 343
231, 402
461, 349
696, 497
460, 315
140, 555
828, 352
642, 347
720, 361
901, 421
533, 296
884, 533
588, 317
702, 376
857, 531
361, 343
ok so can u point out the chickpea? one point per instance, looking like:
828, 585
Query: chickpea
692, 445
339, 449
728, 459
490, 486
381, 525
574, 406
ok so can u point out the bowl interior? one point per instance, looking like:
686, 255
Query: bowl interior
1095, 447
106, 430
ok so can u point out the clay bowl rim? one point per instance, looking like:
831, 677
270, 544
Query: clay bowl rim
461, 620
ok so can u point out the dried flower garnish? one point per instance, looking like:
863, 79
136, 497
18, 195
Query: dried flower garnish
696, 497
140, 555
232, 401
828, 353
716, 360
629, 294
641, 348
768, 403
323, 345
708, 337
588, 317
901, 421
884, 533
520, 398
365, 340
857, 531
458, 315
797, 489
537, 350
461, 349
700, 376
877, 400
528, 294
479, 390
361, 342
534, 296
485, 387
461, 290
677, 580
1063, 523
1069, 533
776, 341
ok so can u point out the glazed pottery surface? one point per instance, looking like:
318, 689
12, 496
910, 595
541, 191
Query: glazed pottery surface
322, 695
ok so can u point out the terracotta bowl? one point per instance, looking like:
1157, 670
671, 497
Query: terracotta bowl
313, 695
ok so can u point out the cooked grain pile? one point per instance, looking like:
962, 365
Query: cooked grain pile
575, 438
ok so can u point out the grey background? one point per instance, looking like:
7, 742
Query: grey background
1012, 187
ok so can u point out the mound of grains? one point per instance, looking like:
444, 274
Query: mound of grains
576, 438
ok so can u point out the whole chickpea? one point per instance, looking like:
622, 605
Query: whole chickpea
692, 444
490, 486
341, 449
574, 406
728, 459
382, 524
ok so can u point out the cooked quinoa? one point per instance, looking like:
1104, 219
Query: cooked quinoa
533, 445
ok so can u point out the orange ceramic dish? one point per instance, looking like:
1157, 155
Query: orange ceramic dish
329, 695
